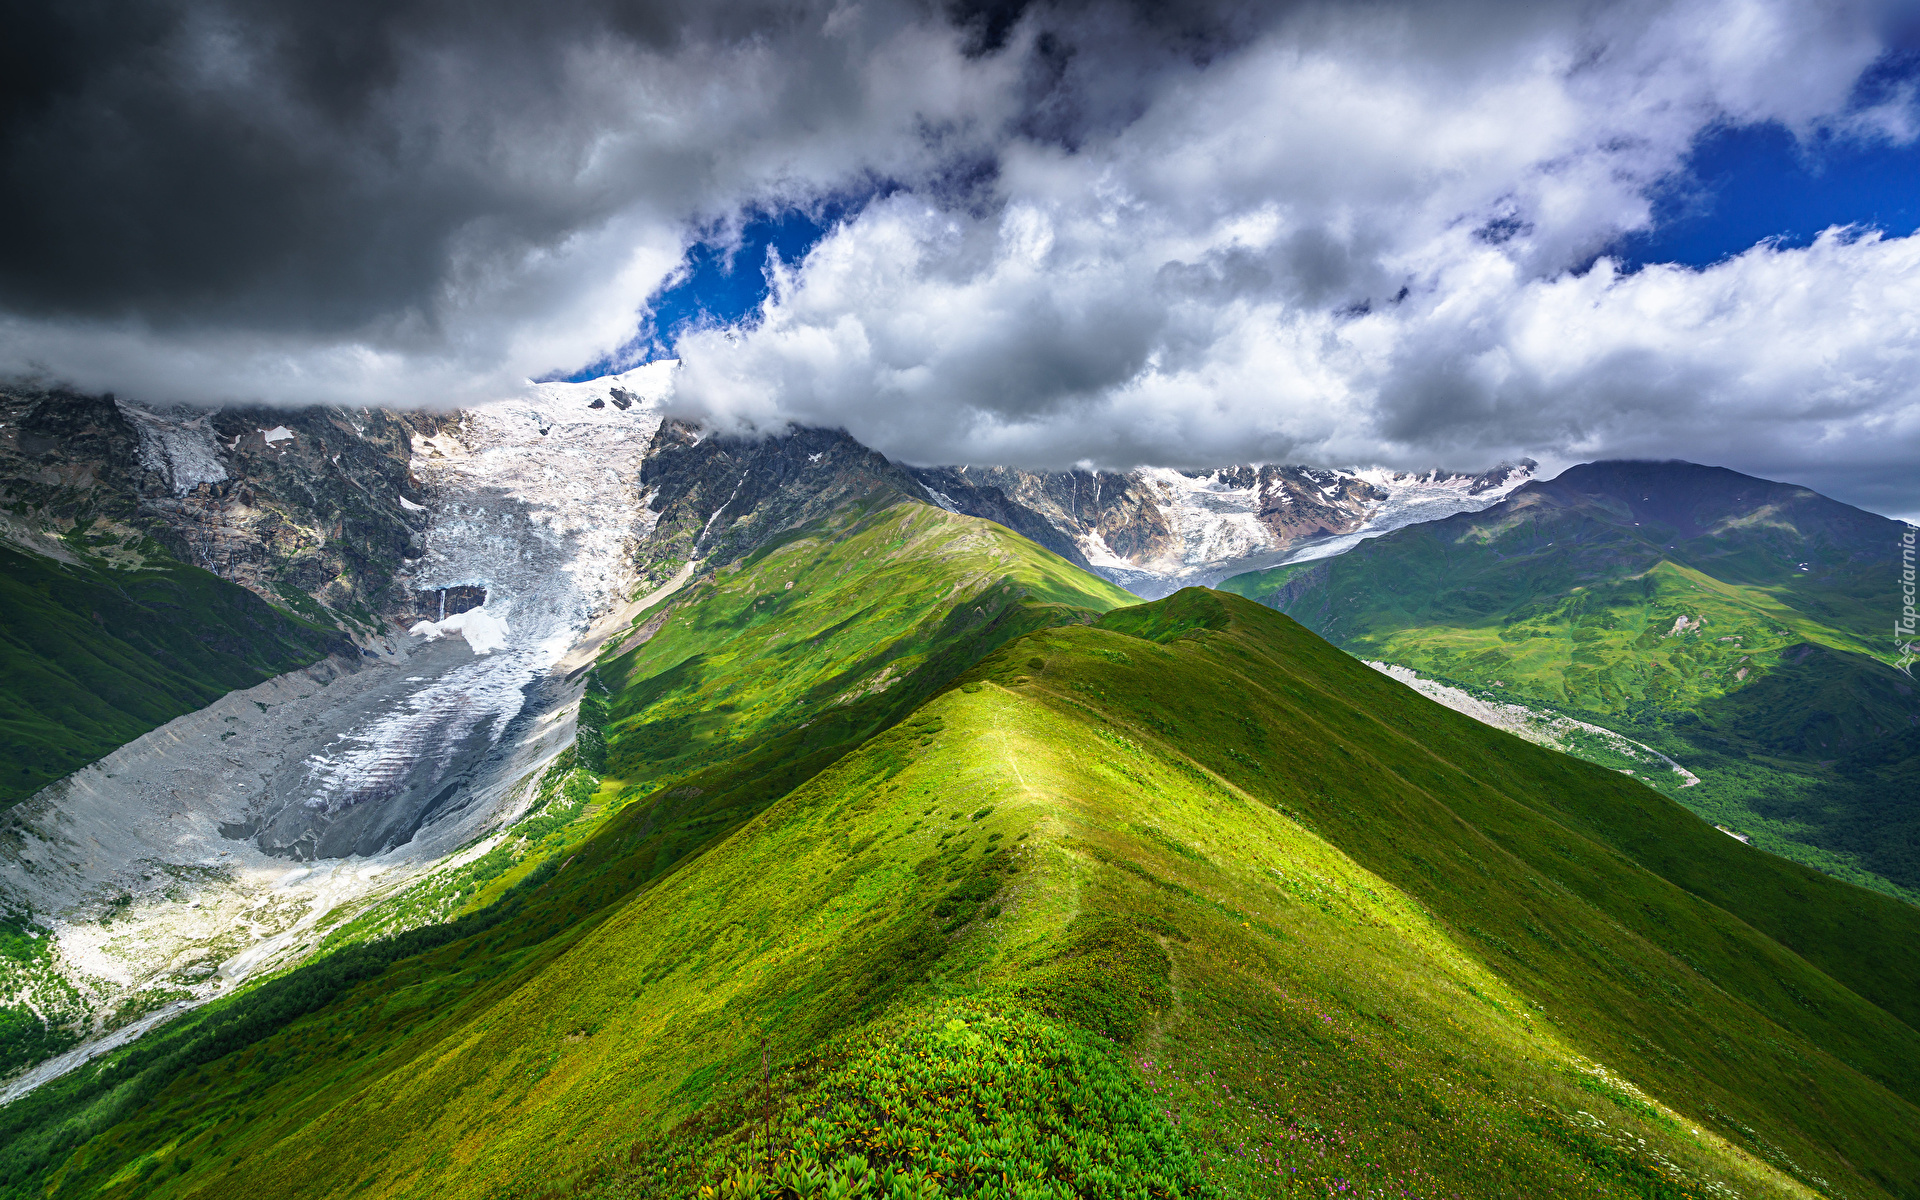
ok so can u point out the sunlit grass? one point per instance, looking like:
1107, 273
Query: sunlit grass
1181, 884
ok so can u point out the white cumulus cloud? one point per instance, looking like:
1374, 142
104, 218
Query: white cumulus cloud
1105, 232
1354, 241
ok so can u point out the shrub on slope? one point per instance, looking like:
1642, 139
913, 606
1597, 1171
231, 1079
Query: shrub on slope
963, 1097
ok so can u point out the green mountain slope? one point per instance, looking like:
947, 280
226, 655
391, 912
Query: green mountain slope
1738, 625
93, 656
1175, 900
756, 676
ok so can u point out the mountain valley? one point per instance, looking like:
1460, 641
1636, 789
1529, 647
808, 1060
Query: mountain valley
648, 812
1737, 626
1153, 530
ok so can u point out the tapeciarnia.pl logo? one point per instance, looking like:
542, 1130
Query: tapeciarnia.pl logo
1903, 626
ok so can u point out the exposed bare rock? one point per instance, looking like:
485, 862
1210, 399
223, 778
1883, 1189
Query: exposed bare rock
713, 499
314, 509
1155, 530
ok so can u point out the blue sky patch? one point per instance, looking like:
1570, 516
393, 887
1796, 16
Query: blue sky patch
722, 282
1749, 184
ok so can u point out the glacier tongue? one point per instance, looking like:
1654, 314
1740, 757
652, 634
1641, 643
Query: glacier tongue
215, 847
535, 502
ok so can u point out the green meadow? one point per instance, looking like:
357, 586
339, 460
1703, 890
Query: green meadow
946, 871
1743, 636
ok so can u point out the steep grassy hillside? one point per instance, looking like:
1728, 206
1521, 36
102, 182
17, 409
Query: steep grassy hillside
756, 676
1736, 624
93, 656
1181, 901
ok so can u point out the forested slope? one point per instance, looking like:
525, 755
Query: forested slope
93, 656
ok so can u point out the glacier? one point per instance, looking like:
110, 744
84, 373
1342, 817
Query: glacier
224, 844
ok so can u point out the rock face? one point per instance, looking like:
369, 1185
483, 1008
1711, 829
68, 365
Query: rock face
713, 499
69, 461
437, 604
315, 509
314, 503
1155, 530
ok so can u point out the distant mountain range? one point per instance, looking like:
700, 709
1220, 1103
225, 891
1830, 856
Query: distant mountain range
810, 824
1740, 626
1154, 531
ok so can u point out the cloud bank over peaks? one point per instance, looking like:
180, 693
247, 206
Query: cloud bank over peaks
1341, 244
1093, 231
410, 202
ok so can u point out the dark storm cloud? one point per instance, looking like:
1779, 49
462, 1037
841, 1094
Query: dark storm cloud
427, 201
311, 166
1098, 231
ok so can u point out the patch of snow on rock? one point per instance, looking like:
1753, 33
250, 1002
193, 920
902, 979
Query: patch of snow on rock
485, 631
1411, 500
1219, 531
1215, 521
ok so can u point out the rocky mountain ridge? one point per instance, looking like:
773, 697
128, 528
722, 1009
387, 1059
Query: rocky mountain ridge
323, 509
1155, 530
315, 509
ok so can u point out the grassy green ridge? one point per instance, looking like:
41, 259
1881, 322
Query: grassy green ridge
761, 675
922, 622
891, 600
1189, 860
92, 657
1734, 624
933, 593
884, 589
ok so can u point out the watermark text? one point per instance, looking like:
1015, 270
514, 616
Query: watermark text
1903, 626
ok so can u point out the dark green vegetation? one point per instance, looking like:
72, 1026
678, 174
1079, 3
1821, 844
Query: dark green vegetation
106, 632
992, 1099
92, 656
1741, 626
949, 882
24, 1037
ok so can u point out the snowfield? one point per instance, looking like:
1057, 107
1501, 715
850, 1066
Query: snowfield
1218, 531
